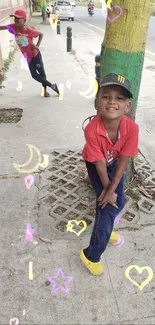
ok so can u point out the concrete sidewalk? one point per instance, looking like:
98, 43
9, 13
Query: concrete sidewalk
58, 195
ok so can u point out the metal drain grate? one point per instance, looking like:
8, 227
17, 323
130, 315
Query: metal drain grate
128, 216
68, 194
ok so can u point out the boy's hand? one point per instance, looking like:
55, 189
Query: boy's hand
108, 198
102, 195
33, 46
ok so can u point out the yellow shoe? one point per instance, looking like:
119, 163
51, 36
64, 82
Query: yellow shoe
94, 268
114, 238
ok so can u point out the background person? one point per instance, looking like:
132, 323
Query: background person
90, 5
24, 37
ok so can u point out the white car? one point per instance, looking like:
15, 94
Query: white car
73, 3
63, 9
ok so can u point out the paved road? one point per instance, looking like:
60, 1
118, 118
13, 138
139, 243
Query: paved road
98, 23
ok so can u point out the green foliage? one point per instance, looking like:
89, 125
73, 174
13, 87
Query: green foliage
36, 5
7, 62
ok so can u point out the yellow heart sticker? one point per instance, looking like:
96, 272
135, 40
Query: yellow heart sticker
69, 226
139, 270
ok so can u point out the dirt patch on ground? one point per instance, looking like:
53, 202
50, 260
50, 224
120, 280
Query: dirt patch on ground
12, 115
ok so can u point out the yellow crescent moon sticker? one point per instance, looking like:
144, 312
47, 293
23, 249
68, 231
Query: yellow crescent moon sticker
92, 90
35, 168
45, 162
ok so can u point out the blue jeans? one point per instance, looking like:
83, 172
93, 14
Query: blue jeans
104, 217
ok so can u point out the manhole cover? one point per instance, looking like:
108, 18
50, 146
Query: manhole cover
68, 194
12, 115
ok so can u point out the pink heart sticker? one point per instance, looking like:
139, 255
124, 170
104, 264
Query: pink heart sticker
111, 9
29, 180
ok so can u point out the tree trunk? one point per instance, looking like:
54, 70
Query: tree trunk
30, 6
123, 48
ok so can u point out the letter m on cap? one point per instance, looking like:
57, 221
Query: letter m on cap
121, 79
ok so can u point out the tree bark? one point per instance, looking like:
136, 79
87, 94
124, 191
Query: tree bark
123, 48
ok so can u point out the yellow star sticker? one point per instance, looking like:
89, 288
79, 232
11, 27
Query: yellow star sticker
69, 227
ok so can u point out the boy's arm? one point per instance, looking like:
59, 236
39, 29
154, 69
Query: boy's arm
103, 175
120, 168
40, 39
35, 33
129, 149
3, 27
95, 156
102, 172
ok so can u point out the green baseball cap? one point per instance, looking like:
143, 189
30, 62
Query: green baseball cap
116, 79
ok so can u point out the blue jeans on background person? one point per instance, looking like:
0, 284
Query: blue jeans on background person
104, 217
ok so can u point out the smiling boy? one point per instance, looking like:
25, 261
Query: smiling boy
111, 138
24, 37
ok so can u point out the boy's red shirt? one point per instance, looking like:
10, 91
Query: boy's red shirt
24, 38
98, 144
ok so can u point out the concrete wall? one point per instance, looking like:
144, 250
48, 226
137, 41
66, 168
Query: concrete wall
5, 3
7, 7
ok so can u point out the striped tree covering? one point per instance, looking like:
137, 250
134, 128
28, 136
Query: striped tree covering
124, 43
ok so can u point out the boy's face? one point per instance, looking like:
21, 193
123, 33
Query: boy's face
113, 102
20, 22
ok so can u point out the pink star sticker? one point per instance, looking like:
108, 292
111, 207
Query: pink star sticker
29, 232
117, 219
65, 288
26, 57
